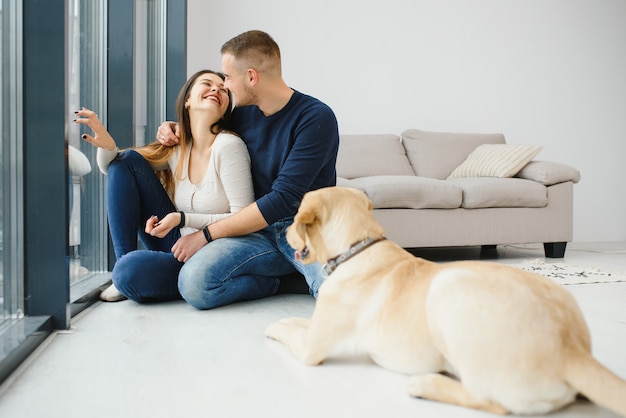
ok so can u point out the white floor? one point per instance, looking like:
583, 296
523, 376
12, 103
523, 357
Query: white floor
169, 360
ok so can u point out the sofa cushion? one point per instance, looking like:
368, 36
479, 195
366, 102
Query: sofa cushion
372, 155
491, 192
496, 160
549, 173
437, 154
407, 192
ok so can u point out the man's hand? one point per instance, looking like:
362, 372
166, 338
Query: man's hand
168, 134
188, 245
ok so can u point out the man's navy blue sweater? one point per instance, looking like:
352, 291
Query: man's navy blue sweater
292, 152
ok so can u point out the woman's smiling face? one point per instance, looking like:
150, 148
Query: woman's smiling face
208, 91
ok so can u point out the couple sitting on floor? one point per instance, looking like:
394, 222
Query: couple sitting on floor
213, 197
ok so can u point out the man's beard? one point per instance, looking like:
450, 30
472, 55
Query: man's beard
248, 98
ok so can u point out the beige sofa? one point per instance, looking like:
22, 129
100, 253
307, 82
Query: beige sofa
407, 179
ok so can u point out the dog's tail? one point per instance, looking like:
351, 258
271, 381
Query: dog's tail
596, 382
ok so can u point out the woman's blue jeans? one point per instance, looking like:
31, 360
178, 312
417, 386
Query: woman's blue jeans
228, 270
134, 193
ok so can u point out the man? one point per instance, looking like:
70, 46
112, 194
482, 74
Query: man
292, 139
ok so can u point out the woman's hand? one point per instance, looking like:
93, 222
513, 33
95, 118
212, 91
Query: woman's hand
101, 137
161, 228
168, 134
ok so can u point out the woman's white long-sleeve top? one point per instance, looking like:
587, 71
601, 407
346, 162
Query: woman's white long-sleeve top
225, 189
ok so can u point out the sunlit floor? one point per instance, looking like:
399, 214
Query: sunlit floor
170, 360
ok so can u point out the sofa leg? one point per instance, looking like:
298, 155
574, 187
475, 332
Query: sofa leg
488, 251
554, 249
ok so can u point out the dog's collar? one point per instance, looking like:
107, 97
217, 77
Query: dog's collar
354, 249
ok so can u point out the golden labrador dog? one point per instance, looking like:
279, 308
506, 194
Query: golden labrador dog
470, 333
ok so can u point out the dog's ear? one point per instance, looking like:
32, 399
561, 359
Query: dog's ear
307, 213
300, 230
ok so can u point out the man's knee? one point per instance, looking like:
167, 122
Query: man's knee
193, 287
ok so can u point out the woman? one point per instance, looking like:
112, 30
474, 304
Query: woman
164, 193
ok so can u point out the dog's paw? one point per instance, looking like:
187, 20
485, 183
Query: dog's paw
273, 330
282, 329
421, 386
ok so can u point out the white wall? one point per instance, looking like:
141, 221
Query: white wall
549, 72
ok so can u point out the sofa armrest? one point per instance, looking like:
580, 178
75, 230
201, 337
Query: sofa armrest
549, 173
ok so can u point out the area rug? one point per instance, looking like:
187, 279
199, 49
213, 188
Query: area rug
566, 274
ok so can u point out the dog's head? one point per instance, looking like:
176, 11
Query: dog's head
329, 221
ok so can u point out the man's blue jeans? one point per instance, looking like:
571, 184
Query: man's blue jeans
228, 270
134, 193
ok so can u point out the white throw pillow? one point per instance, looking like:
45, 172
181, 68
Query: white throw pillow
496, 160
